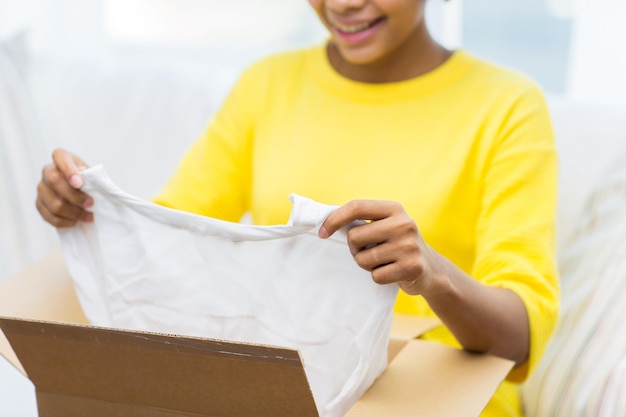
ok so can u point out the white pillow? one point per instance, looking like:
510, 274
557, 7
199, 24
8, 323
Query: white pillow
590, 340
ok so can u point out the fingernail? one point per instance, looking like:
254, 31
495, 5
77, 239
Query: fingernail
88, 202
76, 181
323, 233
88, 218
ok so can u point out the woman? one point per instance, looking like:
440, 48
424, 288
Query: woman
449, 159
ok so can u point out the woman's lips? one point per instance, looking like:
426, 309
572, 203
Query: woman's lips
355, 33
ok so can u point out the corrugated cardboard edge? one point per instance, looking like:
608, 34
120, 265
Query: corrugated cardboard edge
43, 291
449, 381
87, 370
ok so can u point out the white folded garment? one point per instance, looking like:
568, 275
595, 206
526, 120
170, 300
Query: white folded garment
145, 267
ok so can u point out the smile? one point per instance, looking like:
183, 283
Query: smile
356, 28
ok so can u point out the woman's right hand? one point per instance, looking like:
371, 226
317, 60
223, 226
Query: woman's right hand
59, 199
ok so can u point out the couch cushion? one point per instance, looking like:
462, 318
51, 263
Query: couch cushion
589, 342
589, 141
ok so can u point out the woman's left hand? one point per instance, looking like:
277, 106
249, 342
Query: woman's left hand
389, 244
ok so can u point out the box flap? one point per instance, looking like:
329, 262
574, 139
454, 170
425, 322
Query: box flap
406, 327
85, 370
432, 380
410, 326
41, 291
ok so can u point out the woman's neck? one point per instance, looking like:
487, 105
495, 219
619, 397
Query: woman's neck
418, 55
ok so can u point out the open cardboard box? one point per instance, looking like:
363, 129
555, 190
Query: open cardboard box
81, 370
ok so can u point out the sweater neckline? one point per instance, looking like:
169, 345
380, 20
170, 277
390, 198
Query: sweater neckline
443, 76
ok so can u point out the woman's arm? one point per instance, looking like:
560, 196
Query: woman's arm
390, 246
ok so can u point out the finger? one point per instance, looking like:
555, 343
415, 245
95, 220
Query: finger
70, 166
400, 230
375, 257
369, 234
387, 274
53, 219
53, 181
57, 206
396, 272
356, 210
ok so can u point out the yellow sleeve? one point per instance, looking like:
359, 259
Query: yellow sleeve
516, 227
214, 177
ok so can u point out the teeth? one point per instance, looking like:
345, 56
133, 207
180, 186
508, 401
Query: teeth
353, 28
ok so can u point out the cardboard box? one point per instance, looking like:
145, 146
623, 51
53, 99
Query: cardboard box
81, 370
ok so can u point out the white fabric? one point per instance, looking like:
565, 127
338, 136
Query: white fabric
145, 267
590, 340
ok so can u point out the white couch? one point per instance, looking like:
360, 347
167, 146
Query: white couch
136, 119
139, 121
590, 140
583, 372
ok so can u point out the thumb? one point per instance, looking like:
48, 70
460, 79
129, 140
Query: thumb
70, 166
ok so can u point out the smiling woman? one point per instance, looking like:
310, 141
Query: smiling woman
388, 41
459, 215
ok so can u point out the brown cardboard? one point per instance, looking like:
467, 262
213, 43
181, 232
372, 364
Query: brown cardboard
83, 370
427, 379
109, 369
42, 291
405, 328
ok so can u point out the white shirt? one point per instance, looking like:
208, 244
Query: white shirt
145, 267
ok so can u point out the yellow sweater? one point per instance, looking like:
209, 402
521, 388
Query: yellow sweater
467, 149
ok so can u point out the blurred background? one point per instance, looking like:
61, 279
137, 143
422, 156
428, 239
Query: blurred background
132, 83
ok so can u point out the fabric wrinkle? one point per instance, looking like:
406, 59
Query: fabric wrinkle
141, 266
